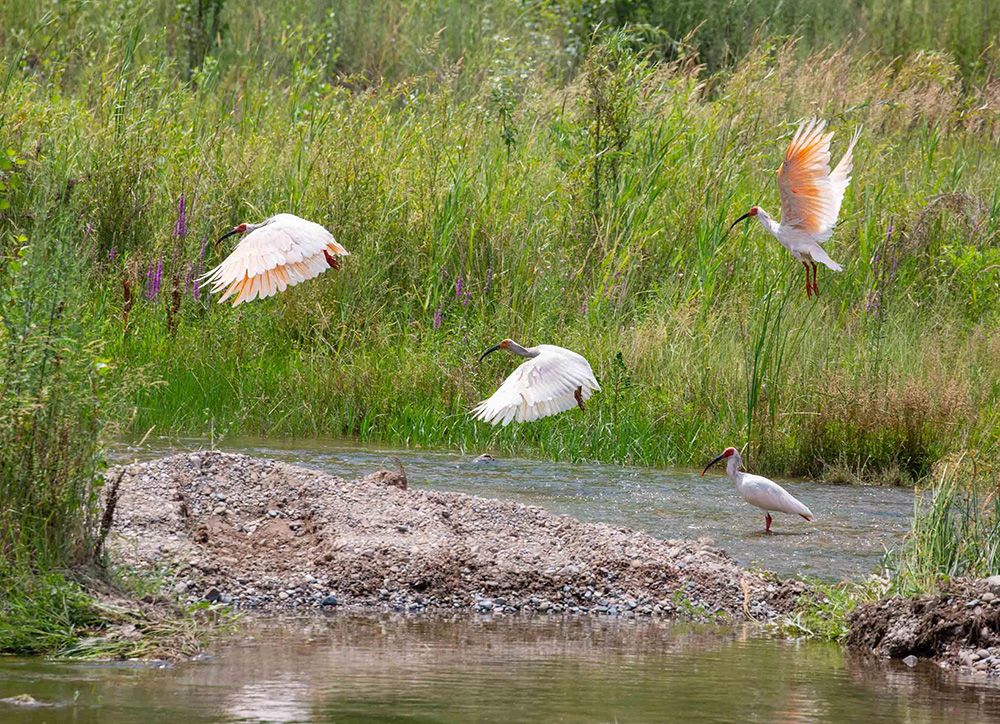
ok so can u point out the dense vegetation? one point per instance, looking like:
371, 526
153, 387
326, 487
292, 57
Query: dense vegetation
556, 171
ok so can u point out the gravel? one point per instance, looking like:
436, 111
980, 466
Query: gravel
289, 538
957, 628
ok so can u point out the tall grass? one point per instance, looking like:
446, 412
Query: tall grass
492, 178
956, 531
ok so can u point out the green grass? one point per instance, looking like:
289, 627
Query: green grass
611, 242
955, 533
572, 167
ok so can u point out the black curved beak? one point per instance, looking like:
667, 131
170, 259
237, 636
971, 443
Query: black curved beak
490, 351
721, 457
747, 215
235, 230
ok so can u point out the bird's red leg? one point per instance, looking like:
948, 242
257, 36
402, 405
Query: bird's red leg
331, 260
808, 287
767, 522
579, 396
815, 283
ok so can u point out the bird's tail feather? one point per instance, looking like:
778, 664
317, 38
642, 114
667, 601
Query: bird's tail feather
819, 254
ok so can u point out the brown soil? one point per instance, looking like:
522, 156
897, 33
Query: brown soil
957, 628
265, 535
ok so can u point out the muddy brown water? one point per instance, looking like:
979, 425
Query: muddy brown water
391, 667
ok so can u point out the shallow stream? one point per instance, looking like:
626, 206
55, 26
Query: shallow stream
422, 668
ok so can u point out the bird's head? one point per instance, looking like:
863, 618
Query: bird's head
504, 344
238, 229
750, 214
727, 453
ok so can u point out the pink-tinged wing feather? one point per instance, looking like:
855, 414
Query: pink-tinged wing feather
804, 179
281, 253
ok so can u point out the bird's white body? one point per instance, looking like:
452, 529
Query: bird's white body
763, 493
811, 197
803, 245
280, 252
553, 380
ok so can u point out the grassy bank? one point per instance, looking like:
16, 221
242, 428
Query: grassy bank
955, 535
488, 187
555, 172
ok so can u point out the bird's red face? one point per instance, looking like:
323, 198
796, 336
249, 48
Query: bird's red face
751, 213
505, 344
727, 453
235, 230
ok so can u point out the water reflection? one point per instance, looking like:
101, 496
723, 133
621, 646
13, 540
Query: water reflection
350, 667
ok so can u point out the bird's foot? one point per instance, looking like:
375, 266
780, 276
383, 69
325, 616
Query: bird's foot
767, 523
578, 394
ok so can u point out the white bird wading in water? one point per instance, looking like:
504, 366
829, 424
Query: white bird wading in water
277, 253
810, 198
760, 491
554, 379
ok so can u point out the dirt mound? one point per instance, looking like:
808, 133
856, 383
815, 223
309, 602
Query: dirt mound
263, 534
957, 628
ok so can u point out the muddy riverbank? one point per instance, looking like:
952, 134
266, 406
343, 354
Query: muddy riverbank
264, 535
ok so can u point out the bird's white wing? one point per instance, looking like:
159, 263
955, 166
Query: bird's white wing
768, 495
542, 386
284, 251
810, 195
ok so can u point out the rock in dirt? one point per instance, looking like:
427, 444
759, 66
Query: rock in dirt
293, 538
956, 628
24, 700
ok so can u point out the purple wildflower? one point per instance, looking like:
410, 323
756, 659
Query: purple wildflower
489, 279
196, 285
466, 298
458, 287
112, 253
180, 226
438, 317
149, 281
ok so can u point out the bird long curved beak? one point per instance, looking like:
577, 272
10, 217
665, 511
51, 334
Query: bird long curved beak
490, 351
747, 215
721, 457
235, 230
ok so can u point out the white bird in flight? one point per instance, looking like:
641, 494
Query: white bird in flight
760, 491
810, 198
553, 379
279, 252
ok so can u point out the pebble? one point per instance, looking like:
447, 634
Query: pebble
910, 661
982, 654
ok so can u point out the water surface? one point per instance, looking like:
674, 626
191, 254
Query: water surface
394, 668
